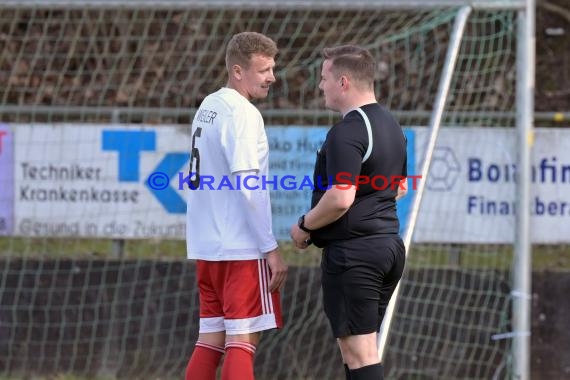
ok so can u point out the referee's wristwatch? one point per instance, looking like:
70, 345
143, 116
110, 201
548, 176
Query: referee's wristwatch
301, 224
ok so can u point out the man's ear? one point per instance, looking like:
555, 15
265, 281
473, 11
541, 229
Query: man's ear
237, 71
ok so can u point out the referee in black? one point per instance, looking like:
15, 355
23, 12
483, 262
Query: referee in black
361, 170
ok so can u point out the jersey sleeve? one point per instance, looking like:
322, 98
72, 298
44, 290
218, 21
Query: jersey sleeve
346, 147
240, 141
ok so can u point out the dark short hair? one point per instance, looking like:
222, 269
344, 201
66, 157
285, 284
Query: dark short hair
243, 45
353, 61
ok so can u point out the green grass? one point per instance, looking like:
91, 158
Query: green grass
131, 249
545, 257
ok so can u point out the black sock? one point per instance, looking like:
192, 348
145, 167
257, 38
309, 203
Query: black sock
347, 372
369, 372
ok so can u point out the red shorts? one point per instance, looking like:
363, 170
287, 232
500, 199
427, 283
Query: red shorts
234, 297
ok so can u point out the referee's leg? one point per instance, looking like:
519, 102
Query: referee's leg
360, 354
352, 294
351, 299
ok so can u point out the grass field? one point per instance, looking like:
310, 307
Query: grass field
545, 257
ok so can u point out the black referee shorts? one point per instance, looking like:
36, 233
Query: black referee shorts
358, 279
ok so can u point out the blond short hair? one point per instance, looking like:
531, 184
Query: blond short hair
243, 45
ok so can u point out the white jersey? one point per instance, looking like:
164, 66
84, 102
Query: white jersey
228, 136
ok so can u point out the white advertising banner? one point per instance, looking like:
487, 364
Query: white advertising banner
471, 189
92, 180
116, 181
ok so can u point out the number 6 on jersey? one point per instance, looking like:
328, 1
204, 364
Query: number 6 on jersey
195, 155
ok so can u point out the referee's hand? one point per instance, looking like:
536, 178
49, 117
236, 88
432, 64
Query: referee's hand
278, 269
300, 238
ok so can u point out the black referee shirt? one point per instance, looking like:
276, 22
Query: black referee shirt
346, 154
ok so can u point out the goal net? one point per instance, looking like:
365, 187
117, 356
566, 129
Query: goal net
97, 97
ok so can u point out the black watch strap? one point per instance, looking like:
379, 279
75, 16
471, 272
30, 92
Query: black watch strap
302, 224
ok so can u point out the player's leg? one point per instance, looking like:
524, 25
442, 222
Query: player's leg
361, 356
351, 289
248, 308
209, 348
334, 269
359, 348
346, 369
240, 355
206, 356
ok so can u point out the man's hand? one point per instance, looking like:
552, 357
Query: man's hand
278, 270
300, 237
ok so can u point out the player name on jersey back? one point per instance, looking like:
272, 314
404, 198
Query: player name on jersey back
206, 116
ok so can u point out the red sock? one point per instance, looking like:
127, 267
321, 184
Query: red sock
204, 362
238, 363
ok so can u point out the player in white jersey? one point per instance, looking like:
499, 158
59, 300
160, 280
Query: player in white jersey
229, 231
